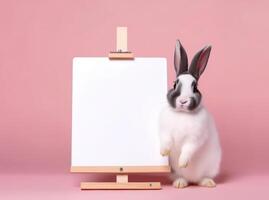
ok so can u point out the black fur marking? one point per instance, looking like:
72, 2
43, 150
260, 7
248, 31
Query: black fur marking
196, 100
174, 93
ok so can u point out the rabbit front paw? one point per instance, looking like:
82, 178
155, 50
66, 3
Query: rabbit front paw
165, 151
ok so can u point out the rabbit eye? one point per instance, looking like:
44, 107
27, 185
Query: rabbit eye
175, 84
195, 88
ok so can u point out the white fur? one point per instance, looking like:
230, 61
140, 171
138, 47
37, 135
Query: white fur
191, 139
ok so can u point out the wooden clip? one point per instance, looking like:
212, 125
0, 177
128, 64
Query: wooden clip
122, 47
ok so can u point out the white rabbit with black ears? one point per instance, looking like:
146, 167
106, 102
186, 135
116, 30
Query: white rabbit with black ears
188, 134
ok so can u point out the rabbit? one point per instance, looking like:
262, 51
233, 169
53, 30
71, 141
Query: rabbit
187, 131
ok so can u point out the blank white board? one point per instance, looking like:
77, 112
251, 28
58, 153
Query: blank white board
115, 107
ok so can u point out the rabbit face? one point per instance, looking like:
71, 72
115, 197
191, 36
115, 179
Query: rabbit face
185, 96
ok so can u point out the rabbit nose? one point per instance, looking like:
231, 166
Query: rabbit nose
183, 101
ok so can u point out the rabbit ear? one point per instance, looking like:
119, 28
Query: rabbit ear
199, 62
180, 59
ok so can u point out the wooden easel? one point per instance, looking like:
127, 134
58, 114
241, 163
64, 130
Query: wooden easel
121, 181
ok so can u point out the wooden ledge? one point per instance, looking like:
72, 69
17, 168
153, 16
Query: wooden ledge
121, 169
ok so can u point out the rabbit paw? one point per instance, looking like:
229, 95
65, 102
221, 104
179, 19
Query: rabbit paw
180, 183
165, 152
207, 182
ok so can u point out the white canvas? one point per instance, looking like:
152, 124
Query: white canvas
115, 107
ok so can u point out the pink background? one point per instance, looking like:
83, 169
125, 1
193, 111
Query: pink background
38, 40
